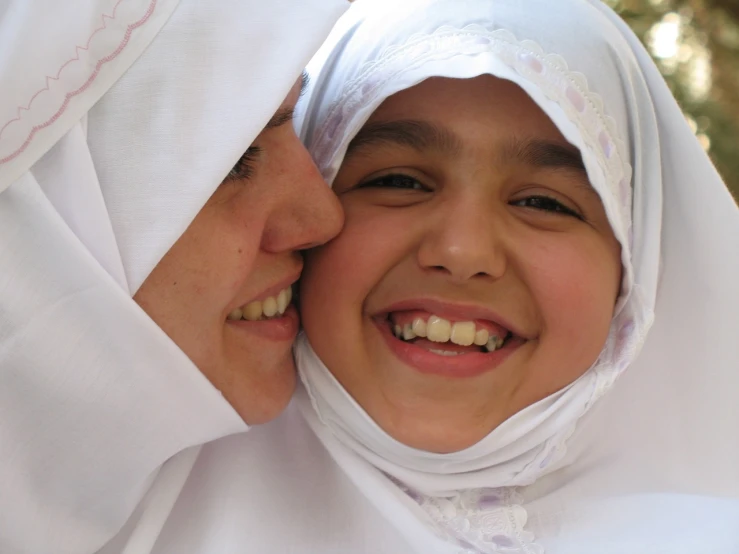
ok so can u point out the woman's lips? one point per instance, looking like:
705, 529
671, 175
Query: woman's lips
464, 365
282, 328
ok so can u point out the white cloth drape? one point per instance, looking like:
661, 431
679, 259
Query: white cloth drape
118, 119
641, 453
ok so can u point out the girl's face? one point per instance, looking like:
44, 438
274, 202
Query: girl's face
469, 222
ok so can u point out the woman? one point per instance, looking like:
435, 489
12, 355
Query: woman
609, 424
147, 160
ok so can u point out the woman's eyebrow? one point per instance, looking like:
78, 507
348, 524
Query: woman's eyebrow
286, 115
304, 82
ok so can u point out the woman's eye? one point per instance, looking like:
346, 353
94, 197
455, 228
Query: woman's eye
546, 204
394, 181
244, 168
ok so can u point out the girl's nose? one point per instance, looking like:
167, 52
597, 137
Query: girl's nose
464, 242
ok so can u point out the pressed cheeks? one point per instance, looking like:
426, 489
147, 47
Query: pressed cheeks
476, 273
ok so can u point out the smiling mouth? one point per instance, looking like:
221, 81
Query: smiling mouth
272, 307
448, 338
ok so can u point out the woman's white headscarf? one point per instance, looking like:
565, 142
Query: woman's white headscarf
567, 474
118, 120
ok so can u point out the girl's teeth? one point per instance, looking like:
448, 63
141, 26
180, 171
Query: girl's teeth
463, 333
481, 337
443, 352
419, 327
437, 329
269, 307
493, 344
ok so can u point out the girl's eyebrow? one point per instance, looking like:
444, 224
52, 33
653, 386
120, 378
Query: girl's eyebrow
544, 154
419, 135
424, 136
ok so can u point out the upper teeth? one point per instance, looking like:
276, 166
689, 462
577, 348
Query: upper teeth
259, 309
437, 329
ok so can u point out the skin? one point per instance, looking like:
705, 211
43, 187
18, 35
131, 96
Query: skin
242, 244
474, 223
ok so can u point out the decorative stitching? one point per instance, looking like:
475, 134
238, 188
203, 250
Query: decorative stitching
85, 86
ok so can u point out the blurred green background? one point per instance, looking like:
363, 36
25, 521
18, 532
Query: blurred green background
696, 45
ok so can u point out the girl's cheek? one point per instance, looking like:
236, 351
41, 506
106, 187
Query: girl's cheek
574, 282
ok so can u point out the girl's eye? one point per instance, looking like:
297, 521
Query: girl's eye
394, 181
244, 168
546, 204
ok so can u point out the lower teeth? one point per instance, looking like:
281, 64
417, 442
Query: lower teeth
444, 352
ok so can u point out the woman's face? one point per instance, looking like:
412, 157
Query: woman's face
468, 218
221, 291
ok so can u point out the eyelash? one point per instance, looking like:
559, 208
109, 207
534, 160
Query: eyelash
538, 202
244, 168
547, 204
398, 179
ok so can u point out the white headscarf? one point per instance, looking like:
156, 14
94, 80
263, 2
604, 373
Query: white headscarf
118, 120
619, 473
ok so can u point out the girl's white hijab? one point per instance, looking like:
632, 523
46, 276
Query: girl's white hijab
669, 425
118, 119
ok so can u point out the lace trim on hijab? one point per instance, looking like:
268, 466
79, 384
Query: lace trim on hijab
491, 521
479, 521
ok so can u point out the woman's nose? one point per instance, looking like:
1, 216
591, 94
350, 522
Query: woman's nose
310, 213
464, 241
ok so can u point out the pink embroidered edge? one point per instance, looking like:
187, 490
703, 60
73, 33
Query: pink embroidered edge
86, 84
76, 57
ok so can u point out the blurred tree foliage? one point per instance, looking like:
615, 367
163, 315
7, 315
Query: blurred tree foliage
696, 45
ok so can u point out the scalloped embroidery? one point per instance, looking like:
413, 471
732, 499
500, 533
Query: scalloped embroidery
24, 110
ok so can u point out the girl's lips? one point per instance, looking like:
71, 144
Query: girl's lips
283, 328
458, 367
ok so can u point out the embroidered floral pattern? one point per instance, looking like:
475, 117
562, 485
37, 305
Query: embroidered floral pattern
479, 521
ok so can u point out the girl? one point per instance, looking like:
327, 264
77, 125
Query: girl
523, 339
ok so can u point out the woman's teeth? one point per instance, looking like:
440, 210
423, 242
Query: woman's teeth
264, 309
437, 329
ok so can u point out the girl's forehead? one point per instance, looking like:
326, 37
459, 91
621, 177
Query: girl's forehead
450, 115
485, 99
